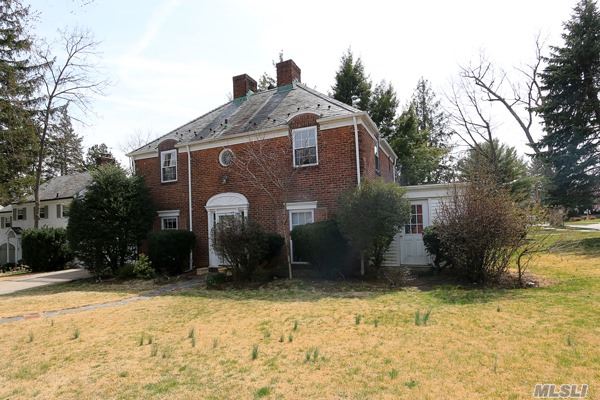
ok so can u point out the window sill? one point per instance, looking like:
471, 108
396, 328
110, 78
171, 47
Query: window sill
171, 181
306, 165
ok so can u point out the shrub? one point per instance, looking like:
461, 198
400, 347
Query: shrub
45, 249
215, 280
142, 268
371, 215
169, 251
245, 246
480, 229
126, 271
433, 245
323, 245
111, 218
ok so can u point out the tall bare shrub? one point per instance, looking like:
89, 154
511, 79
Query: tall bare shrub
481, 228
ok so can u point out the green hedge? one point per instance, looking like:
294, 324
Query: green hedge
169, 251
46, 249
323, 245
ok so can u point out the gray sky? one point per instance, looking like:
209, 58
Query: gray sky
170, 61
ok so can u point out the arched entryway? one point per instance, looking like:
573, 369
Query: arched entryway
219, 207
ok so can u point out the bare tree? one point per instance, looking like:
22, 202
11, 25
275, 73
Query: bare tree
66, 80
136, 140
520, 97
266, 166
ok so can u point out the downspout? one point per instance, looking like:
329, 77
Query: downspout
356, 148
189, 165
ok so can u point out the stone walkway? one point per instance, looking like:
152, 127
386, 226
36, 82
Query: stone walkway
115, 303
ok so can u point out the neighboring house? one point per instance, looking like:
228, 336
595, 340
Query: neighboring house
55, 198
326, 146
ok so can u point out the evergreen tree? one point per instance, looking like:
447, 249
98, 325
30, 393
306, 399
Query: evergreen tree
432, 118
571, 110
96, 151
351, 83
508, 168
65, 152
383, 106
18, 82
266, 82
417, 158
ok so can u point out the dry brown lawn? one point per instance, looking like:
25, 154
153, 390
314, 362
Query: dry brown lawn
315, 343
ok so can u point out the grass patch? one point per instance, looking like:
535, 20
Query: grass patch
478, 343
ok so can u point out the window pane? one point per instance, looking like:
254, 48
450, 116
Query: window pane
419, 209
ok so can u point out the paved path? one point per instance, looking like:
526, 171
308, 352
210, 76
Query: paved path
594, 227
12, 284
182, 285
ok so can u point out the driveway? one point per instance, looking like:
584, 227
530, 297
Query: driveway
11, 284
595, 227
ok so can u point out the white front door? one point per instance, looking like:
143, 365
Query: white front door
217, 217
412, 248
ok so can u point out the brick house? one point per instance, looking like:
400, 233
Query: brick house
203, 171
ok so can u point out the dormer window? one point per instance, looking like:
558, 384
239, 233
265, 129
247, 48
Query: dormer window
168, 166
305, 146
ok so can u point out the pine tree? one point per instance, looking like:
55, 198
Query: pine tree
571, 110
417, 159
351, 83
383, 106
65, 151
18, 82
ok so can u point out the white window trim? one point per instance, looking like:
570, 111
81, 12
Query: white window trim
162, 221
305, 206
227, 149
294, 131
168, 214
162, 159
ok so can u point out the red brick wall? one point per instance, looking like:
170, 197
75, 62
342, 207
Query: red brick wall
367, 158
323, 183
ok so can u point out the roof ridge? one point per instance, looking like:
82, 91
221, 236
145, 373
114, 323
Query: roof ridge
327, 98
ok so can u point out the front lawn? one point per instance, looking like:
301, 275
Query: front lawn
294, 340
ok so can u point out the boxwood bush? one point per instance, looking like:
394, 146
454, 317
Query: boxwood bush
323, 245
46, 249
169, 251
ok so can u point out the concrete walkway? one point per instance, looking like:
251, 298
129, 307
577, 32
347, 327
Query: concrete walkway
12, 284
593, 227
169, 288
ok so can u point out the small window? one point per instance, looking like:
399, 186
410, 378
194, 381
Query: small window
305, 146
226, 157
169, 223
297, 218
5, 222
168, 162
44, 212
21, 214
416, 220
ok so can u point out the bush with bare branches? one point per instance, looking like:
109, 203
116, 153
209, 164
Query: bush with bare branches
481, 229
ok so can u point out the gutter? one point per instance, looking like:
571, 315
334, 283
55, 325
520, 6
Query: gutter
189, 164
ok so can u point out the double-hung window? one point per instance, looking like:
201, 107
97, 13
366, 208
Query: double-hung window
300, 214
62, 211
168, 166
377, 160
169, 219
305, 146
5, 222
19, 214
416, 220
44, 212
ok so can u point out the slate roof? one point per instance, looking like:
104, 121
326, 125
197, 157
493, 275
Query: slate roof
255, 112
62, 187
5, 209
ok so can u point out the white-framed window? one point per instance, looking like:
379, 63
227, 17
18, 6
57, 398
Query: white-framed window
168, 166
300, 214
62, 211
19, 214
226, 157
306, 150
415, 226
5, 222
44, 212
169, 219
169, 223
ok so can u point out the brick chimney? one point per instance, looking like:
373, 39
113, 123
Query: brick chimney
287, 72
242, 84
104, 159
